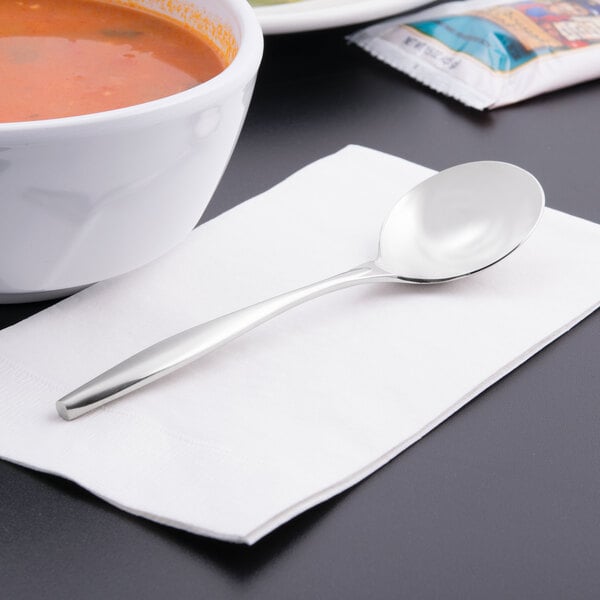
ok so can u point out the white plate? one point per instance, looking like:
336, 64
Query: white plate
307, 15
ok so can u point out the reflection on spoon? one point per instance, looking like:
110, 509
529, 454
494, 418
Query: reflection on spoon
454, 224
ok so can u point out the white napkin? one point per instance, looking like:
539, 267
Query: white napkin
307, 404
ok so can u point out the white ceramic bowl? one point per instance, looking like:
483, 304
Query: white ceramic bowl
89, 197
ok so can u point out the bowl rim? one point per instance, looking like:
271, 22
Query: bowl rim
241, 70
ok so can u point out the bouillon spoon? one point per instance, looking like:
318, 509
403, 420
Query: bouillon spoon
454, 224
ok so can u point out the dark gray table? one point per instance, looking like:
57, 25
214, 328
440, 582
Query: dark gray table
501, 501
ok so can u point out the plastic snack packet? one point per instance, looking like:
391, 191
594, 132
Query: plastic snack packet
487, 53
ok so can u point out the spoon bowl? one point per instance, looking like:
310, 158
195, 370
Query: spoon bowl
460, 221
455, 223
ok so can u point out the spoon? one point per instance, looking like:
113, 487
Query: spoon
454, 224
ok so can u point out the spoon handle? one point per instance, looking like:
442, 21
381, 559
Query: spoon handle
179, 350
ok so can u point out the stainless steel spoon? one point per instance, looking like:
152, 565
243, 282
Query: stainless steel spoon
454, 224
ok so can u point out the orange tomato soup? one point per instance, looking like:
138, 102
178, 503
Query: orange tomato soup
62, 58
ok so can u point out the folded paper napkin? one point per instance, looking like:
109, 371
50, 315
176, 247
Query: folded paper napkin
306, 405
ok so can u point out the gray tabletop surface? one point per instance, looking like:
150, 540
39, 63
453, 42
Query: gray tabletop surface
501, 501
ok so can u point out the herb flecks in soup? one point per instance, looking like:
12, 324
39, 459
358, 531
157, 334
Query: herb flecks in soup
62, 58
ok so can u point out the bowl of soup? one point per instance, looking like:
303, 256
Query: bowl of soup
117, 120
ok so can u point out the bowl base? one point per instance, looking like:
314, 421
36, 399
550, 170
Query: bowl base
23, 297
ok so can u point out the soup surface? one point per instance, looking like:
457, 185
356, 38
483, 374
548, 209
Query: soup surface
62, 58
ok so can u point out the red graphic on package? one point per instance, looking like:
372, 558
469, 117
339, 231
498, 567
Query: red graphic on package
574, 24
